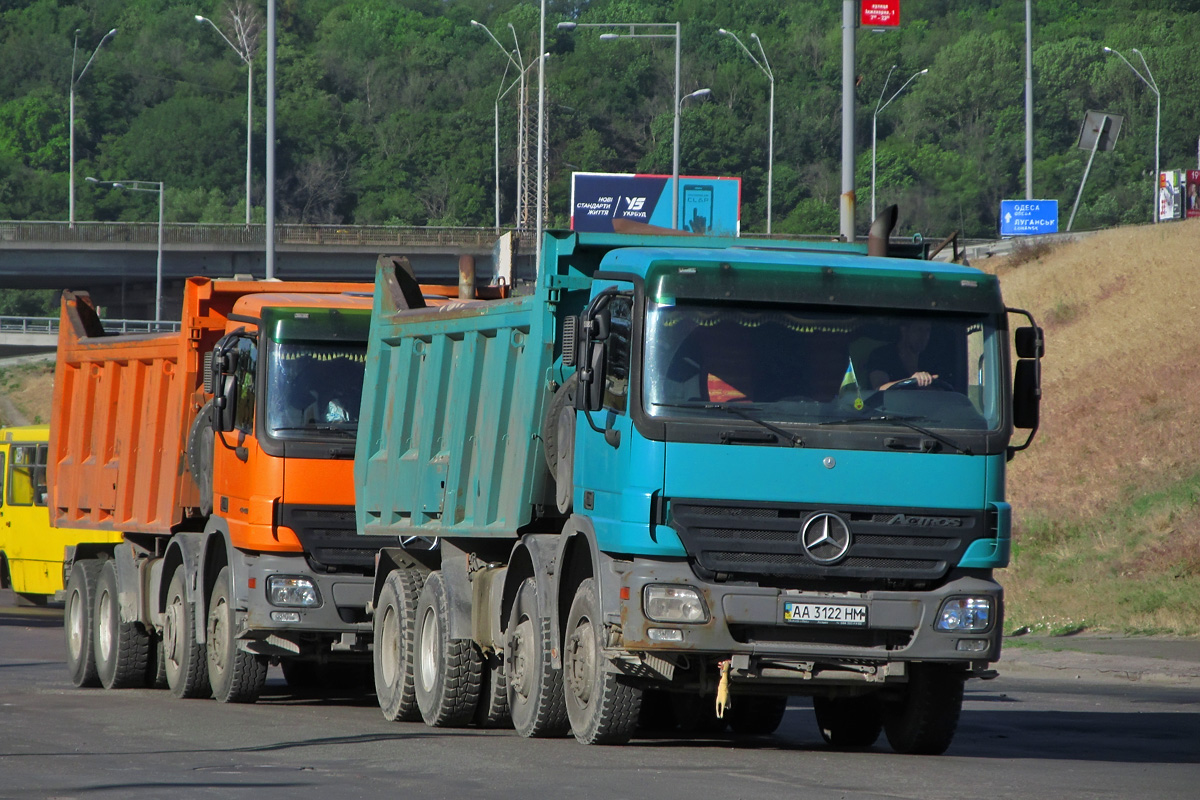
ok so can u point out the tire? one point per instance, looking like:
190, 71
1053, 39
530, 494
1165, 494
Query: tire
395, 633
77, 623
849, 723
492, 711
535, 688
447, 672
185, 660
601, 708
122, 648
757, 715
923, 720
234, 675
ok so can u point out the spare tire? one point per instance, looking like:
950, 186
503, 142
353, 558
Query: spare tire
200, 442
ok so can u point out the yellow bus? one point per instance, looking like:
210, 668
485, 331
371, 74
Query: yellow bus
31, 552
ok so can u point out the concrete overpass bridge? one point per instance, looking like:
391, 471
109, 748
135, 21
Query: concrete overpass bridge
117, 261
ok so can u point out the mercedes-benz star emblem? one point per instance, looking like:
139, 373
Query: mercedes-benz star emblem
826, 538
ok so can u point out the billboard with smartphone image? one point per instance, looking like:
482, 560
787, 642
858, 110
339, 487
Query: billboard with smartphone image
708, 206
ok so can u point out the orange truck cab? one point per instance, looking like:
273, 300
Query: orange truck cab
224, 455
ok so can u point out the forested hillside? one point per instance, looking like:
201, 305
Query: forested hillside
385, 107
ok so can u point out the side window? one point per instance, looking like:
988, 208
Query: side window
620, 342
3, 453
245, 375
40, 491
22, 476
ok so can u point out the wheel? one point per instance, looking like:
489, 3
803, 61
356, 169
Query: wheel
535, 688
395, 632
849, 722
234, 675
601, 708
492, 711
186, 661
77, 622
923, 720
697, 714
757, 715
448, 672
122, 648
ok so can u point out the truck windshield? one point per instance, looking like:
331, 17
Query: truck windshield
314, 389
816, 366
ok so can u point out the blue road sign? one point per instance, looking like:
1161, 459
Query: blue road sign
1028, 217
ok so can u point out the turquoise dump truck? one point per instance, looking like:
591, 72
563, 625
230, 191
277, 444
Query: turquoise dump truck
674, 481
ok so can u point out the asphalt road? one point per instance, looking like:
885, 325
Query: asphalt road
1054, 725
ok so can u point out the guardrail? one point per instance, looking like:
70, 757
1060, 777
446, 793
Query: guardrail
225, 235
49, 325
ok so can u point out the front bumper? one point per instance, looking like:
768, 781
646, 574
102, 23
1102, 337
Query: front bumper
746, 625
340, 622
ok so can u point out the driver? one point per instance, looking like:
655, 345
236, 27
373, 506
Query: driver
893, 363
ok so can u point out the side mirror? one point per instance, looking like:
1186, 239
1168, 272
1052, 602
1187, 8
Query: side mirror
222, 385
1027, 394
225, 405
1031, 342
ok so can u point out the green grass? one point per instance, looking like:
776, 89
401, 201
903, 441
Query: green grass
1134, 570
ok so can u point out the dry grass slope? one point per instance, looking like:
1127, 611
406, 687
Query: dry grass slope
1108, 527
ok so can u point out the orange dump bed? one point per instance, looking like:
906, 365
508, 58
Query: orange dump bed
123, 406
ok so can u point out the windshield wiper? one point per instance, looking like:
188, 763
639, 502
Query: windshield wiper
741, 410
323, 428
906, 422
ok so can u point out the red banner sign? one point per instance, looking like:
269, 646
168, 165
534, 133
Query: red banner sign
880, 13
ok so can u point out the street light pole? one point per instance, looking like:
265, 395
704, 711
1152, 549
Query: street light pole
874, 119
71, 123
765, 66
522, 102
246, 53
1148, 79
633, 34
147, 186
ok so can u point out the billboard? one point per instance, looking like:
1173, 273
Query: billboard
880, 13
1192, 198
707, 205
1170, 195
1028, 217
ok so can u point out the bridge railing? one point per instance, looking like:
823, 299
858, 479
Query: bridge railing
224, 235
49, 325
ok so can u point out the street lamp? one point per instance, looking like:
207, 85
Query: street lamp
874, 119
1148, 79
522, 208
247, 40
765, 66
71, 124
633, 34
147, 186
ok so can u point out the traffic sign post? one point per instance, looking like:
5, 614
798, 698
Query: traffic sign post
1028, 217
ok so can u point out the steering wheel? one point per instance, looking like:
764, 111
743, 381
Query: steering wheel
908, 384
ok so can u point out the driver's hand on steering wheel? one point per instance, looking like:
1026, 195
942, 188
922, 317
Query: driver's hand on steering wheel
923, 378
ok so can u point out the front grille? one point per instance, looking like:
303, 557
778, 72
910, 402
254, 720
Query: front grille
744, 541
329, 536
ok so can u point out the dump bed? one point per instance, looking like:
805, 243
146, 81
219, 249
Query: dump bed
124, 405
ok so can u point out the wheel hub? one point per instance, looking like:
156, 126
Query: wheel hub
216, 636
518, 663
581, 660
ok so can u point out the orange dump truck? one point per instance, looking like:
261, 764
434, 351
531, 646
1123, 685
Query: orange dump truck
224, 455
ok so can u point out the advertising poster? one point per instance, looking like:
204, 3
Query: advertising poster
1170, 195
1192, 195
880, 13
707, 205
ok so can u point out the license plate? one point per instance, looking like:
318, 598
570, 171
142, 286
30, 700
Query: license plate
824, 614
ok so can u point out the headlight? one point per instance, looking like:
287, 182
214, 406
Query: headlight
292, 590
965, 614
673, 604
